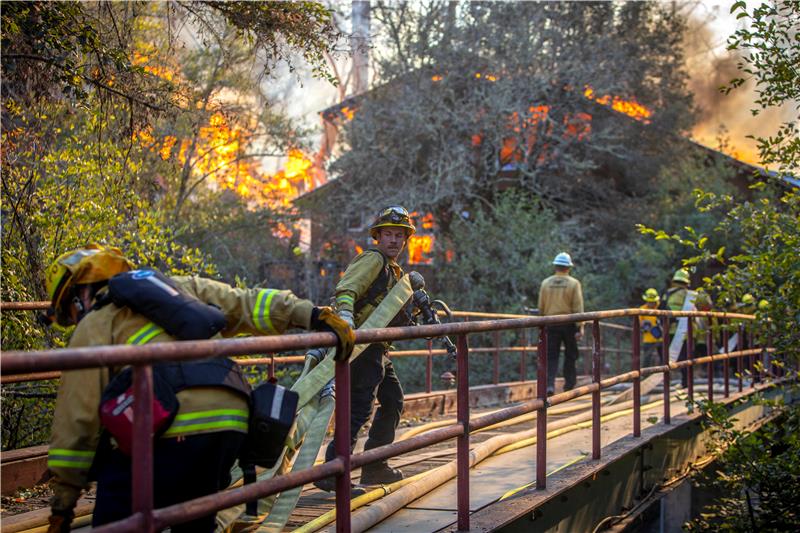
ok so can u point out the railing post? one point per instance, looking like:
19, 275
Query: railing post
726, 363
342, 445
271, 367
462, 451
665, 361
541, 414
429, 368
142, 446
636, 363
709, 352
496, 361
597, 358
740, 359
753, 357
689, 356
523, 370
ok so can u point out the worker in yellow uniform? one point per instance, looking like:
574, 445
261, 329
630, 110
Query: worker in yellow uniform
651, 330
366, 281
561, 294
193, 457
675, 299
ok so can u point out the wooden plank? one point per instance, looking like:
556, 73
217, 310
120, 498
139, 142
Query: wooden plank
24, 473
23, 453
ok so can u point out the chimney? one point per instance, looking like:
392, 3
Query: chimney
360, 44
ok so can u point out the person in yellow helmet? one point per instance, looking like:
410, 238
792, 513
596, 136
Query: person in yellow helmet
367, 280
651, 330
674, 299
194, 455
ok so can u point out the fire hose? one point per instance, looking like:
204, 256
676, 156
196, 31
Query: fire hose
401, 493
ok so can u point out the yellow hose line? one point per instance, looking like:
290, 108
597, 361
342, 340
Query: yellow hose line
355, 503
447, 472
580, 425
510, 493
413, 432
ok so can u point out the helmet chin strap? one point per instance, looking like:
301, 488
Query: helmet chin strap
79, 307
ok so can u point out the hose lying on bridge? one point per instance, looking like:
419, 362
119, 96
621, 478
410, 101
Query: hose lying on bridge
401, 493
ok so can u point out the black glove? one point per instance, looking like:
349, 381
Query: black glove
324, 319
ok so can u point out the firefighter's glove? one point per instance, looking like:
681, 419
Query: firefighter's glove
59, 522
324, 319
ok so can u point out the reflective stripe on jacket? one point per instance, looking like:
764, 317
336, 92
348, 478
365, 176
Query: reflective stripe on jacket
76, 425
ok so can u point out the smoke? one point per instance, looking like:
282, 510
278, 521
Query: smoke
724, 121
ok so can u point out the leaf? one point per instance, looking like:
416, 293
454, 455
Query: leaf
738, 5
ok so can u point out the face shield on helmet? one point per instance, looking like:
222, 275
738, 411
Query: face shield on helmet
394, 216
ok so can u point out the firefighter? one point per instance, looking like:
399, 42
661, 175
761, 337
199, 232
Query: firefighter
194, 456
674, 299
651, 330
561, 294
366, 281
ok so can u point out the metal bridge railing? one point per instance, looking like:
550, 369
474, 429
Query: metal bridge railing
145, 518
272, 362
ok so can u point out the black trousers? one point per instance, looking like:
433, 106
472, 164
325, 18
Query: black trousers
556, 335
195, 466
372, 376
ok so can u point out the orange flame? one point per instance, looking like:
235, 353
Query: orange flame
419, 246
631, 108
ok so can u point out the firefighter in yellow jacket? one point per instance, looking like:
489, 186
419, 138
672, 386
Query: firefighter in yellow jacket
366, 281
194, 456
561, 294
651, 330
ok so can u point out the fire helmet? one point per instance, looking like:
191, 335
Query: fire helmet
650, 295
90, 264
563, 259
681, 276
394, 216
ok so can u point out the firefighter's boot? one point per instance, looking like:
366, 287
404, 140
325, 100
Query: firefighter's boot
329, 485
379, 473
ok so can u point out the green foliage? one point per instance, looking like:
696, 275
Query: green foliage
758, 243
756, 473
279, 29
514, 228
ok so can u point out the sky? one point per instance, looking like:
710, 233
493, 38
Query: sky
709, 63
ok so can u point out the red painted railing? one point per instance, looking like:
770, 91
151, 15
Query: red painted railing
145, 518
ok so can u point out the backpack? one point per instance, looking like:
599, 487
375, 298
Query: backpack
158, 298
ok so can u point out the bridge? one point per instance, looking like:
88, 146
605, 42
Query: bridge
571, 461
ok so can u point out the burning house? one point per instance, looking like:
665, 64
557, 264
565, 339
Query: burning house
501, 157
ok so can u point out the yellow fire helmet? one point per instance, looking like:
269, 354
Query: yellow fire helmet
394, 216
90, 264
681, 276
651, 295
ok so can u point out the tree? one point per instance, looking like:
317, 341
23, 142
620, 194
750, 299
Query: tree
577, 105
757, 472
99, 99
515, 94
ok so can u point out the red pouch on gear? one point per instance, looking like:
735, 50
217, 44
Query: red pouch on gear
116, 407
